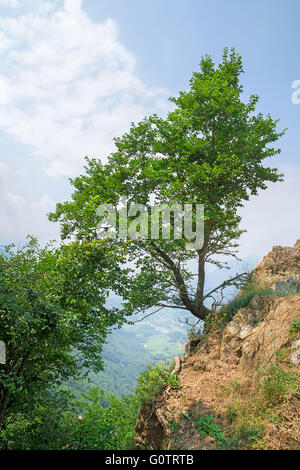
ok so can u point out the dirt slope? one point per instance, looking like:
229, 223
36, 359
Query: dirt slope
240, 386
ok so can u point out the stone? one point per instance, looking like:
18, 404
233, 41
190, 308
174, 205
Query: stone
295, 357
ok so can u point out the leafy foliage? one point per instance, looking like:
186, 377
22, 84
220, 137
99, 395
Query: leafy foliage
295, 326
218, 319
174, 381
53, 315
207, 425
98, 421
107, 422
249, 434
209, 150
279, 384
152, 381
44, 425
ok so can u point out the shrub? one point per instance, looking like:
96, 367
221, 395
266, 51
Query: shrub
216, 321
248, 291
231, 413
295, 326
45, 426
206, 425
107, 422
194, 332
279, 384
152, 381
248, 433
289, 286
104, 422
173, 381
245, 297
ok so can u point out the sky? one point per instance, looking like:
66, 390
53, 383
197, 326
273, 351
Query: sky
75, 73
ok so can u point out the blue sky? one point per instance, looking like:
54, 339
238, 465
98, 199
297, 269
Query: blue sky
73, 74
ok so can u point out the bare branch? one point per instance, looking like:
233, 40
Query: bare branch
152, 313
229, 282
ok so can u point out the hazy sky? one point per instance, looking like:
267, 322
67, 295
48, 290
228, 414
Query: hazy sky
74, 74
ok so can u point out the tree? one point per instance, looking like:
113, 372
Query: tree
97, 421
210, 150
53, 315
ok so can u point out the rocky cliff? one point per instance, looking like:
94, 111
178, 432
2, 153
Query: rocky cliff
239, 387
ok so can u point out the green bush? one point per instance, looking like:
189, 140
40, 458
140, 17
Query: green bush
295, 326
107, 422
252, 288
152, 381
45, 426
279, 384
217, 320
244, 299
249, 434
100, 422
231, 413
194, 332
206, 425
173, 381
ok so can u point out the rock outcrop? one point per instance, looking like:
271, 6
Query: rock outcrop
280, 268
259, 330
225, 370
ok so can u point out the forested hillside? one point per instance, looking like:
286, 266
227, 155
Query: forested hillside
128, 350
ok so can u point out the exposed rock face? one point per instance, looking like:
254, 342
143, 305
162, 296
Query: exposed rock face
281, 265
246, 347
259, 330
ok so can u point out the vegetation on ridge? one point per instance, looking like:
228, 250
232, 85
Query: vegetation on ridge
54, 311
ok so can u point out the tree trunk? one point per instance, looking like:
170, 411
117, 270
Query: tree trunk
199, 310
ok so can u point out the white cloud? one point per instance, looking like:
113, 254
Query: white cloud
73, 6
10, 3
68, 86
18, 216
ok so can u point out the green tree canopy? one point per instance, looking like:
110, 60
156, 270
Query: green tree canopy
53, 314
211, 150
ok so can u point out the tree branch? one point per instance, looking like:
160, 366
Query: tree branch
225, 284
